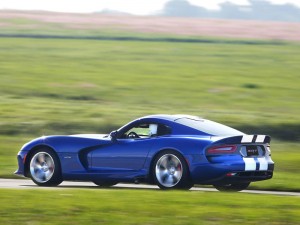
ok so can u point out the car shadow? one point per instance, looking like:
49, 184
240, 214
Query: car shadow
93, 187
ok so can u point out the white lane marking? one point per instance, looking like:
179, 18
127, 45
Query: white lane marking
260, 138
263, 163
250, 164
247, 139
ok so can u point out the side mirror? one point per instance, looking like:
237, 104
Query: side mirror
113, 135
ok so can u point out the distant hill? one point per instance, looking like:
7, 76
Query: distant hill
257, 10
113, 12
97, 24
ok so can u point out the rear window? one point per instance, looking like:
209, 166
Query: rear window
208, 127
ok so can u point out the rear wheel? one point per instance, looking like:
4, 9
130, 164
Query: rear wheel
170, 171
44, 168
232, 187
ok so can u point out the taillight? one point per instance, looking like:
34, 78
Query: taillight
268, 150
24, 159
222, 149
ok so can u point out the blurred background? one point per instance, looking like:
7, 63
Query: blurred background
91, 66
99, 65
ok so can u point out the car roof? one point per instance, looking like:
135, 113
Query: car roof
170, 117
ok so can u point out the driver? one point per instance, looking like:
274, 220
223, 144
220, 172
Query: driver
152, 130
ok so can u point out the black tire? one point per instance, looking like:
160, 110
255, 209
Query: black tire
170, 171
105, 183
44, 168
235, 187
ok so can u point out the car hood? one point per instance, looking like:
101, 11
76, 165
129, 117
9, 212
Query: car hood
92, 136
62, 142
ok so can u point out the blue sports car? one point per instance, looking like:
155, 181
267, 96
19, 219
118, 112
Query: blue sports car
172, 151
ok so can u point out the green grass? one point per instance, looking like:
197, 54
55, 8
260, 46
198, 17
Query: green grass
116, 81
117, 206
65, 86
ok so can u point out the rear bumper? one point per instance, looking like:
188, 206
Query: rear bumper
243, 176
229, 172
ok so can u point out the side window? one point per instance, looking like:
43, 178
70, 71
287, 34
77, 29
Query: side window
146, 131
140, 131
163, 130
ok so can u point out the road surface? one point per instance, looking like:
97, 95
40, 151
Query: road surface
28, 184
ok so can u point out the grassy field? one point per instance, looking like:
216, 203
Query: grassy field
107, 83
117, 206
65, 86
75, 84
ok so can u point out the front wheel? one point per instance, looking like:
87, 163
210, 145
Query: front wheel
44, 168
232, 187
170, 171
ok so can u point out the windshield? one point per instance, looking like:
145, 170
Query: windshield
208, 127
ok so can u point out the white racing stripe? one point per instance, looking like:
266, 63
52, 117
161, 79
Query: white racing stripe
260, 138
263, 163
247, 139
250, 164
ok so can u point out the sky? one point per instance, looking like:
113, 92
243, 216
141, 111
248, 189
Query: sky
137, 7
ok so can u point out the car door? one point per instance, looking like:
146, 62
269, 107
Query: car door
122, 154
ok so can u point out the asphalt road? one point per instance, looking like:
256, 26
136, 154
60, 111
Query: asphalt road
28, 184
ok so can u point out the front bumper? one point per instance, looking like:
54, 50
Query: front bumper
21, 164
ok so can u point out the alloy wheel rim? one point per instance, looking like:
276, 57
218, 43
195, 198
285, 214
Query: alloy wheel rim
42, 167
168, 170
